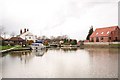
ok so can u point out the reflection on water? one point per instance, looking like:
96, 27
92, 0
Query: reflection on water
61, 63
0, 66
39, 52
69, 49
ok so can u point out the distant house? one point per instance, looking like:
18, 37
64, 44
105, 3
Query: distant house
16, 41
107, 34
26, 35
1, 41
1, 38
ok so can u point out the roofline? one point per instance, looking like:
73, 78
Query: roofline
108, 27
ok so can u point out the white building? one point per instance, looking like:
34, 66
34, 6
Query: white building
27, 35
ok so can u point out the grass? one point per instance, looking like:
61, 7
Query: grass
5, 47
8, 47
18, 46
115, 45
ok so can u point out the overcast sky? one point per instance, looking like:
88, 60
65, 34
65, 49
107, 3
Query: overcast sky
58, 17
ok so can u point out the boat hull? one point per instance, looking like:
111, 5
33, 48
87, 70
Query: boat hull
37, 46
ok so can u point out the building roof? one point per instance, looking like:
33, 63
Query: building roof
16, 39
103, 31
25, 34
1, 38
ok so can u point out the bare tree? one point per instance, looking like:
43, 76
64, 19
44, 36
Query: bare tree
44, 37
52, 37
2, 32
12, 34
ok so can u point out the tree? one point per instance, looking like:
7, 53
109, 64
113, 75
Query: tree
29, 42
12, 34
74, 42
89, 33
66, 41
46, 43
1, 30
44, 37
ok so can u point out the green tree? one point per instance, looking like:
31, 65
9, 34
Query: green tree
65, 40
74, 42
89, 33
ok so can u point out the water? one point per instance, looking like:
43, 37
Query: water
61, 63
0, 66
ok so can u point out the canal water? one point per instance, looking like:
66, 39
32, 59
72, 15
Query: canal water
61, 63
0, 66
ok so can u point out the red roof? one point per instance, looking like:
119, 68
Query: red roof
103, 31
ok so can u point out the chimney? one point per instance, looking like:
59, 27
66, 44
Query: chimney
21, 31
27, 29
24, 30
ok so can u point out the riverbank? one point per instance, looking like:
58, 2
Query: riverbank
6, 50
101, 45
5, 47
86, 45
15, 49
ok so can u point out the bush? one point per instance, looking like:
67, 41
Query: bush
29, 42
74, 42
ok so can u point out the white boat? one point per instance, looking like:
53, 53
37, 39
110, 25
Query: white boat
37, 46
39, 52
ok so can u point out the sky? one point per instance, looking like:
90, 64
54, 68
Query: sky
58, 17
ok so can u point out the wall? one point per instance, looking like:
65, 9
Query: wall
105, 39
100, 43
26, 36
30, 38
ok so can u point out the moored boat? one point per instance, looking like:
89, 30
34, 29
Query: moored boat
36, 46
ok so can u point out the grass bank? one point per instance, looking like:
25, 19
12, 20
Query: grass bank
20, 48
8, 47
101, 46
114, 45
5, 47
